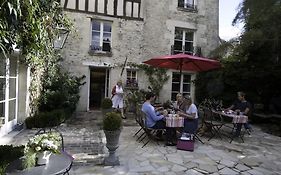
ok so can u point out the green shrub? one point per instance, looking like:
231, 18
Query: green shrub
112, 121
61, 91
9, 153
47, 119
106, 103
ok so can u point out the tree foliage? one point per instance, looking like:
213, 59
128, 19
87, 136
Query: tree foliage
31, 27
253, 62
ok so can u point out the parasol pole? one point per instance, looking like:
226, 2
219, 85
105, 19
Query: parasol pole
181, 76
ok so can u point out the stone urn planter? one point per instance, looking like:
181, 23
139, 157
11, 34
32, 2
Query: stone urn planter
112, 143
112, 128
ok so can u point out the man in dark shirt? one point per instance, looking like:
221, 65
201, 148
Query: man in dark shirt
241, 106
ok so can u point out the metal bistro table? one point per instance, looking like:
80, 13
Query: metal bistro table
58, 164
237, 120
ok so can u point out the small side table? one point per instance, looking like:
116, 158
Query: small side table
58, 164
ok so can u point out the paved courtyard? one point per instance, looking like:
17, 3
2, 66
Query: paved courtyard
84, 139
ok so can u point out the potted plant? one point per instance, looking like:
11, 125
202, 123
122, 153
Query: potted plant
112, 124
106, 105
39, 148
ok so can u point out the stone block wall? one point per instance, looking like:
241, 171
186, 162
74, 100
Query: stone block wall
139, 40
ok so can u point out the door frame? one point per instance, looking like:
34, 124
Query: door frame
107, 81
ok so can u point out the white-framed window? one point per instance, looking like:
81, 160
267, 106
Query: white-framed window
184, 41
187, 4
8, 90
132, 80
181, 83
101, 36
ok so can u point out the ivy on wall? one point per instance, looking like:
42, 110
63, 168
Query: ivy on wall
31, 26
157, 77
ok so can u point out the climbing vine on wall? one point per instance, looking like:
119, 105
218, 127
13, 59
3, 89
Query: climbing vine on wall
157, 77
31, 26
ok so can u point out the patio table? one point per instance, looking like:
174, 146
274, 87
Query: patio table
173, 121
237, 120
58, 164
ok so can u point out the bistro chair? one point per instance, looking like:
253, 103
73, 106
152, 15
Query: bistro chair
149, 133
138, 120
213, 123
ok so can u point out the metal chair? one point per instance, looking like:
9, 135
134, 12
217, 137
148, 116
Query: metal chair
149, 133
213, 123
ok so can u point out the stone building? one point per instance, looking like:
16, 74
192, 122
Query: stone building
109, 31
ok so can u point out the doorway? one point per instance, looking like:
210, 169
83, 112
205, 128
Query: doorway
98, 86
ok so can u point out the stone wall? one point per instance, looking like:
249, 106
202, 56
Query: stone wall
139, 40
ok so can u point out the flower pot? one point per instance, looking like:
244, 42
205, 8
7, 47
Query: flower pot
43, 157
112, 141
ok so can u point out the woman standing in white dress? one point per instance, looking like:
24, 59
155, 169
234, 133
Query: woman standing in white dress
117, 98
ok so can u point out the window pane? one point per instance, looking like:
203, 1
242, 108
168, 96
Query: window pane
178, 45
186, 88
188, 47
175, 87
13, 67
106, 47
189, 3
12, 88
12, 109
96, 25
173, 98
128, 74
178, 34
186, 78
107, 37
134, 74
107, 27
181, 3
2, 113
96, 36
176, 77
2, 88
177, 52
189, 36
2, 67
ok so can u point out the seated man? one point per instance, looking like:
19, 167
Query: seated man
155, 120
241, 106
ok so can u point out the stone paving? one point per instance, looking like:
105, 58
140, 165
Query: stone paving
84, 139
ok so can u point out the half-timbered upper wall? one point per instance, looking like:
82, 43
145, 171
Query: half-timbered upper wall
128, 9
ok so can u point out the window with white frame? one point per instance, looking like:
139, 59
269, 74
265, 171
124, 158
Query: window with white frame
131, 78
8, 89
183, 41
180, 84
101, 36
187, 4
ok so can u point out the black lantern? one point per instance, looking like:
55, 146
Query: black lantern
60, 38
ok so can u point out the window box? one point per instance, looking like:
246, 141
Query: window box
131, 83
94, 52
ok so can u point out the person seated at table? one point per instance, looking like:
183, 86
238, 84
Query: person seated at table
181, 103
190, 116
241, 106
156, 120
